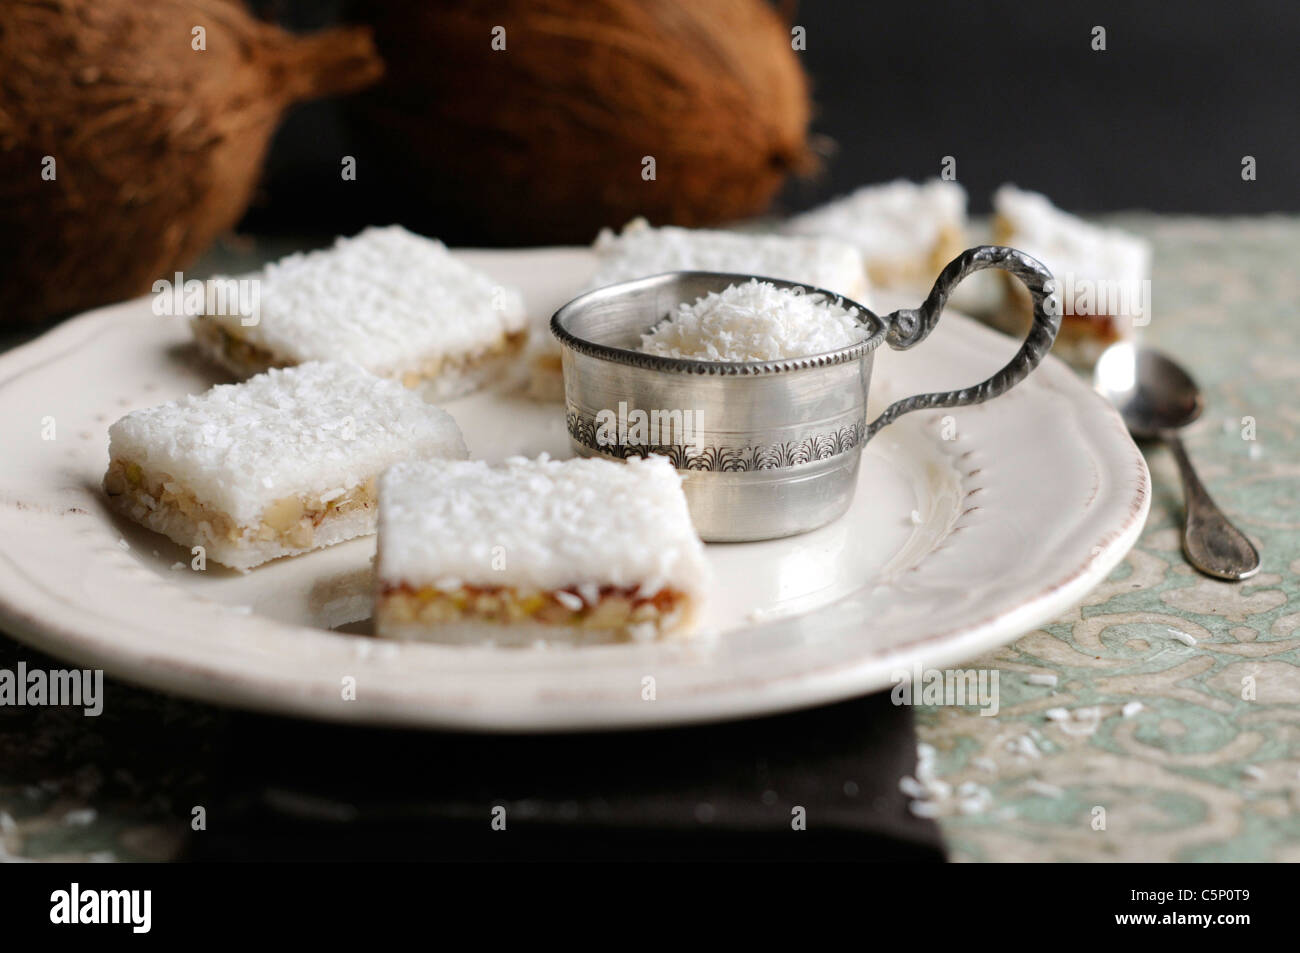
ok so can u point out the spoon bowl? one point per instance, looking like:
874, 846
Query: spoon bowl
1157, 398
1151, 391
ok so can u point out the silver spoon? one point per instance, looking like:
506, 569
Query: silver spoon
1156, 398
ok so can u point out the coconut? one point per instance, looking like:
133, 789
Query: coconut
538, 120
132, 133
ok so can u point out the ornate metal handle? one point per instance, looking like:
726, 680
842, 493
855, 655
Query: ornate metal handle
910, 327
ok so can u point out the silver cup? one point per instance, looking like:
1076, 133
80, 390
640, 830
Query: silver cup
766, 448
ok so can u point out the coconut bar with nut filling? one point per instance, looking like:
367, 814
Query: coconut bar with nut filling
398, 304
588, 549
640, 251
280, 464
1101, 275
906, 231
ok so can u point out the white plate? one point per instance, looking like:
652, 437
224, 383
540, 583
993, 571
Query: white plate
952, 547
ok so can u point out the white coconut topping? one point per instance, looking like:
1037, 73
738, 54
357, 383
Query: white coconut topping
641, 251
1075, 251
539, 524
755, 321
386, 299
888, 222
297, 431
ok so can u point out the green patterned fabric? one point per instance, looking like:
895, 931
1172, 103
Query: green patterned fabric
1209, 767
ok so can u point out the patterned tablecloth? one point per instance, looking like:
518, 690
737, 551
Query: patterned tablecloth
1172, 731
1150, 747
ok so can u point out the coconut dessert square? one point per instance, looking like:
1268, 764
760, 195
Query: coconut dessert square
1102, 274
640, 251
283, 463
543, 546
905, 231
398, 304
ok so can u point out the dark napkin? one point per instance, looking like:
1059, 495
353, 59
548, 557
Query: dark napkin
290, 790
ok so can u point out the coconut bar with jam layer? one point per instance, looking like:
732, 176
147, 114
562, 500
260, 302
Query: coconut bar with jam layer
283, 463
398, 304
906, 231
583, 549
1102, 275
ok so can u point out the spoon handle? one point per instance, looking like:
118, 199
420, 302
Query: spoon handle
1212, 544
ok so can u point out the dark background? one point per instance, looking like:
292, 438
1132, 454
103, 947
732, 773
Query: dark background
1014, 91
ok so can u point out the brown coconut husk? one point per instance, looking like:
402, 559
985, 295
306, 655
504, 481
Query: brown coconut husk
157, 146
545, 141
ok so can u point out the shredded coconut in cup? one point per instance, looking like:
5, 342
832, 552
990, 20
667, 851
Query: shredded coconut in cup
755, 321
